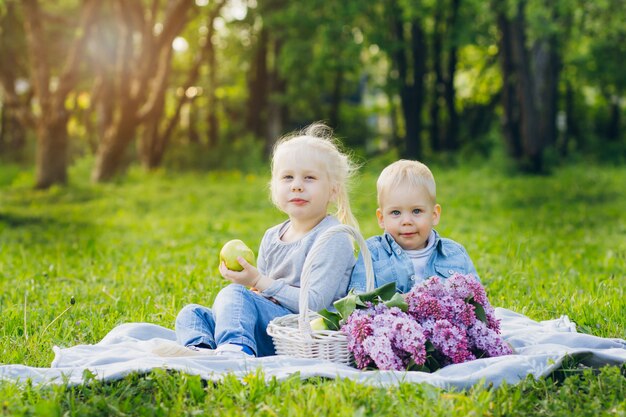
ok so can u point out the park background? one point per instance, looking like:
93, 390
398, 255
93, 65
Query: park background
134, 141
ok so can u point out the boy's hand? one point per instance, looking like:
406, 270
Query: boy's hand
249, 277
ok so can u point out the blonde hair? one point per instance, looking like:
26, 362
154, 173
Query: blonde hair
317, 140
412, 173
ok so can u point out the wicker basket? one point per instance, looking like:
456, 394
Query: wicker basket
292, 334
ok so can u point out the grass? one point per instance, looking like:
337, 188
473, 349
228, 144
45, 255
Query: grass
140, 249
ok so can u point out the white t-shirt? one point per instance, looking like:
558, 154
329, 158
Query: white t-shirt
419, 257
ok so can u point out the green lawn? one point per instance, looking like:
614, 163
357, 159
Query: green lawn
140, 249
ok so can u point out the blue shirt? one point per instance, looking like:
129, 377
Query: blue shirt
391, 263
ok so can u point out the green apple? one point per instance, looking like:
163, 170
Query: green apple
319, 324
233, 249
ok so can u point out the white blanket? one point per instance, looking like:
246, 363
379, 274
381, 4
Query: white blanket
540, 349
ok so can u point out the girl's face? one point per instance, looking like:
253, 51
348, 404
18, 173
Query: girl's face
301, 187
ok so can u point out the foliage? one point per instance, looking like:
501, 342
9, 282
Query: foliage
141, 248
305, 61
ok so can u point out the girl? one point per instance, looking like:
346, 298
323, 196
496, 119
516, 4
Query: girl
309, 173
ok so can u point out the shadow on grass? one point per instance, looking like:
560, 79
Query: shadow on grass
16, 221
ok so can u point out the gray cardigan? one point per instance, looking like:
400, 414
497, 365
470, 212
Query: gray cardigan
282, 261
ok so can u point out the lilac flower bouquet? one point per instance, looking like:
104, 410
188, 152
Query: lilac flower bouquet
440, 323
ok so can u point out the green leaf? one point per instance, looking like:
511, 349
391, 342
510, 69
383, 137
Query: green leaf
478, 310
383, 293
331, 318
346, 305
397, 301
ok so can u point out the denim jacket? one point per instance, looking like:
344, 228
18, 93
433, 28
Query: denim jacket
391, 263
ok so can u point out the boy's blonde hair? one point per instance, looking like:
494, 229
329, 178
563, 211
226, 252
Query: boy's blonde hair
406, 172
317, 141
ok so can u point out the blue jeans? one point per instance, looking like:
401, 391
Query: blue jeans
238, 316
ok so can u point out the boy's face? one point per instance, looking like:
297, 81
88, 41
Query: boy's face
408, 214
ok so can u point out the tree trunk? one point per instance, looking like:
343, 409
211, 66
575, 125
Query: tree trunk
151, 145
546, 80
520, 76
395, 140
532, 143
612, 131
113, 146
335, 100
415, 94
571, 127
155, 140
12, 132
277, 111
51, 155
52, 137
13, 108
410, 77
511, 118
258, 88
437, 87
192, 129
530, 76
213, 126
451, 140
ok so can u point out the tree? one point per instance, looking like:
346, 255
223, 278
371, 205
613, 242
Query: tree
155, 139
14, 108
531, 65
137, 74
398, 28
600, 65
51, 92
444, 120
305, 65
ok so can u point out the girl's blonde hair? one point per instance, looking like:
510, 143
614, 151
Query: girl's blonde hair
403, 171
317, 140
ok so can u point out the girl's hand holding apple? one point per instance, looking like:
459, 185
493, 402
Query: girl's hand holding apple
249, 276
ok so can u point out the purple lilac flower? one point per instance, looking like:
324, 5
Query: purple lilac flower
440, 312
487, 340
492, 322
358, 327
424, 306
451, 341
457, 310
385, 336
433, 286
465, 287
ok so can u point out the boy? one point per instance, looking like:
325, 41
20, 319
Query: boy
409, 251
